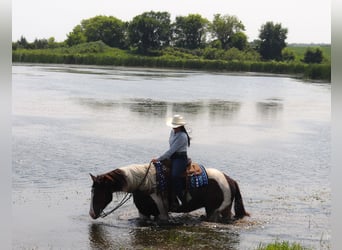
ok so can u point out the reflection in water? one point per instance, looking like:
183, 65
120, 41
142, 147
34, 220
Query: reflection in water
193, 234
153, 108
128, 74
184, 237
269, 109
101, 238
148, 107
223, 109
99, 104
187, 107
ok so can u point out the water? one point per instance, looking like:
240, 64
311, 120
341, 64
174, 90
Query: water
271, 134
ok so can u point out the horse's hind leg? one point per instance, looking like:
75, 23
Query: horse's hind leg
223, 216
227, 214
213, 215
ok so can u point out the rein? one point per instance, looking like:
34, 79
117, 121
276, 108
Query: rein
126, 197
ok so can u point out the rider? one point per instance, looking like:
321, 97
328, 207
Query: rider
179, 142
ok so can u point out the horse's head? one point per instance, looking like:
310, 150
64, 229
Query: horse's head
101, 195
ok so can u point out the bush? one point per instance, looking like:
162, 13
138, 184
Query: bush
313, 55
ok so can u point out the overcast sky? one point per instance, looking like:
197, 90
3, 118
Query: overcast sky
307, 21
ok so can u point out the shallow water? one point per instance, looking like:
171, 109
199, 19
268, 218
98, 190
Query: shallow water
271, 134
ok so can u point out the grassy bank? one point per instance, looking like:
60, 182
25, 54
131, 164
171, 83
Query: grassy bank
98, 53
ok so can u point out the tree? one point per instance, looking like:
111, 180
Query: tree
288, 54
52, 43
313, 55
224, 27
40, 43
190, 31
22, 43
77, 36
150, 30
238, 40
272, 42
108, 29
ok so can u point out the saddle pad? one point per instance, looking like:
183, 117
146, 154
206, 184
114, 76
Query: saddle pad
198, 180
161, 177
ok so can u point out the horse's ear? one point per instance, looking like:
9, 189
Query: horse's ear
92, 177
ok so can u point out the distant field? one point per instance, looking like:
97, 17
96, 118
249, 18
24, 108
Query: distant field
300, 50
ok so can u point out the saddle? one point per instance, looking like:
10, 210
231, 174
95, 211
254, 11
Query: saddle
192, 169
195, 175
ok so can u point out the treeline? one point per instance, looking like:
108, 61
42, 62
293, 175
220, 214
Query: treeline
153, 37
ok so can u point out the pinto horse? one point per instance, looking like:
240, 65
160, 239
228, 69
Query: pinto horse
216, 197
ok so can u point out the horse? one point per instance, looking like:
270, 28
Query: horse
217, 197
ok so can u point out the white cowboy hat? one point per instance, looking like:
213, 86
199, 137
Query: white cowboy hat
176, 121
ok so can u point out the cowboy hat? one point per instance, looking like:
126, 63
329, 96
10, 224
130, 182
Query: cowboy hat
176, 121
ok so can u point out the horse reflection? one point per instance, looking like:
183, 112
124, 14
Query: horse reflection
104, 236
189, 236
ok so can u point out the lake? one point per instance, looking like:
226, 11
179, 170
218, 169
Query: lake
269, 133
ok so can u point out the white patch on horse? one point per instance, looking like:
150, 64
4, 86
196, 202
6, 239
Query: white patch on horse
136, 179
221, 180
139, 179
161, 207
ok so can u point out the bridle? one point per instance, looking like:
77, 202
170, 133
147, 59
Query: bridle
126, 197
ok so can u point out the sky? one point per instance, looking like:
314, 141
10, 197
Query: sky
307, 21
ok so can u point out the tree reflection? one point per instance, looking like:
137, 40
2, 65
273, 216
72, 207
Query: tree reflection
269, 109
148, 107
98, 104
223, 109
187, 107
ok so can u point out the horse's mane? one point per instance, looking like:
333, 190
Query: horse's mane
139, 176
115, 180
129, 178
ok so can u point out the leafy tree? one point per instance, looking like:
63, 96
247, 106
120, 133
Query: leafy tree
190, 31
313, 55
234, 54
224, 27
288, 54
108, 29
272, 42
215, 44
52, 43
77, 36
150, 30
23, 43
40, 43
238, 40
213, 53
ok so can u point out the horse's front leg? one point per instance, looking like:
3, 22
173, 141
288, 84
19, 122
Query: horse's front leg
162, 207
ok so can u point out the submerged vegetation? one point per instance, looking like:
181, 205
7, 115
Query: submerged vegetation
190, 42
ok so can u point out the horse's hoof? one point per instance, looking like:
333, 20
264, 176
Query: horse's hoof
163, 222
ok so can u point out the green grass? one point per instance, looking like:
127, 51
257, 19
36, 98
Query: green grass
284, 245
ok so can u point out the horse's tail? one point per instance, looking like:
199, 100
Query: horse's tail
239, 208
